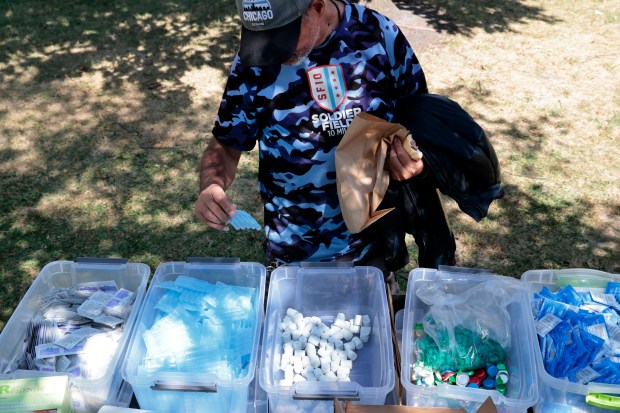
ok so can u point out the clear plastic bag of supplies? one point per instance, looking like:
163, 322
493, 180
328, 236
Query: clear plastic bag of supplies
467, 325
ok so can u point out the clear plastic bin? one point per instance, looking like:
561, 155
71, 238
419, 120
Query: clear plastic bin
399, 319
325, 291
192, 392
87, 395
257, 398
522, 389
557, 395
124, 396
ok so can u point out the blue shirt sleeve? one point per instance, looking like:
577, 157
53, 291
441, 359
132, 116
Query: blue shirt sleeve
236, 125
406, 70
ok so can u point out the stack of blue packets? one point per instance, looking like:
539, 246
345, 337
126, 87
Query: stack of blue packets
579, 333
201, 327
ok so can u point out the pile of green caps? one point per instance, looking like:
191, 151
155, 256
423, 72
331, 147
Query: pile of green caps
468, 353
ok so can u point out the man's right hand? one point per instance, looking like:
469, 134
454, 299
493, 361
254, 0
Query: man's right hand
214, 208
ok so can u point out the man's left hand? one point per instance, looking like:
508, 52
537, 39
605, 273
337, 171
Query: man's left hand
400, 164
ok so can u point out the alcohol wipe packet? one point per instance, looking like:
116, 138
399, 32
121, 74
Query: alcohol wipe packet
243, 220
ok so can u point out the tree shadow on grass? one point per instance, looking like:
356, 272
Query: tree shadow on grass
142, 42
530, 229
538, 231
462, 17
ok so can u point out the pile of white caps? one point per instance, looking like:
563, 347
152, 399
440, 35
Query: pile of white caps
312, 351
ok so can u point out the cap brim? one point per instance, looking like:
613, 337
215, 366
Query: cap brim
269, 47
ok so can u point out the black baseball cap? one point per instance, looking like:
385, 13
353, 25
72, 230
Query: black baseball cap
270, 30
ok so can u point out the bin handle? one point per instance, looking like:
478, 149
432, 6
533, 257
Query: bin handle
328, 264
184, 387
97, 260
604, 401
345, 395
463, 270
213, 260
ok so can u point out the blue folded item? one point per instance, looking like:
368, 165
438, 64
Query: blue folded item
568, 295
613, 288
243, 220
201, 328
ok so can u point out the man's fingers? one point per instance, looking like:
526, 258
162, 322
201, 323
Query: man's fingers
221, 206
401, 165
204, 214
208, 217
399, 152
214, 208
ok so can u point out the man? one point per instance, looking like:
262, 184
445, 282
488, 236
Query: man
304, 70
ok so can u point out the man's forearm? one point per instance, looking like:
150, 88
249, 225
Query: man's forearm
218, 165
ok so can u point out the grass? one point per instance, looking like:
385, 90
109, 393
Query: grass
105, 108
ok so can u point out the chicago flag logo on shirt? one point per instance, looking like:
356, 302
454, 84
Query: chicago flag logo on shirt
327, 86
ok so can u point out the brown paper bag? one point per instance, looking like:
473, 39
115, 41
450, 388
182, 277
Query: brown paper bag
361, 176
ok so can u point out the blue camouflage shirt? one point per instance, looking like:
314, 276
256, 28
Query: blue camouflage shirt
298, 115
